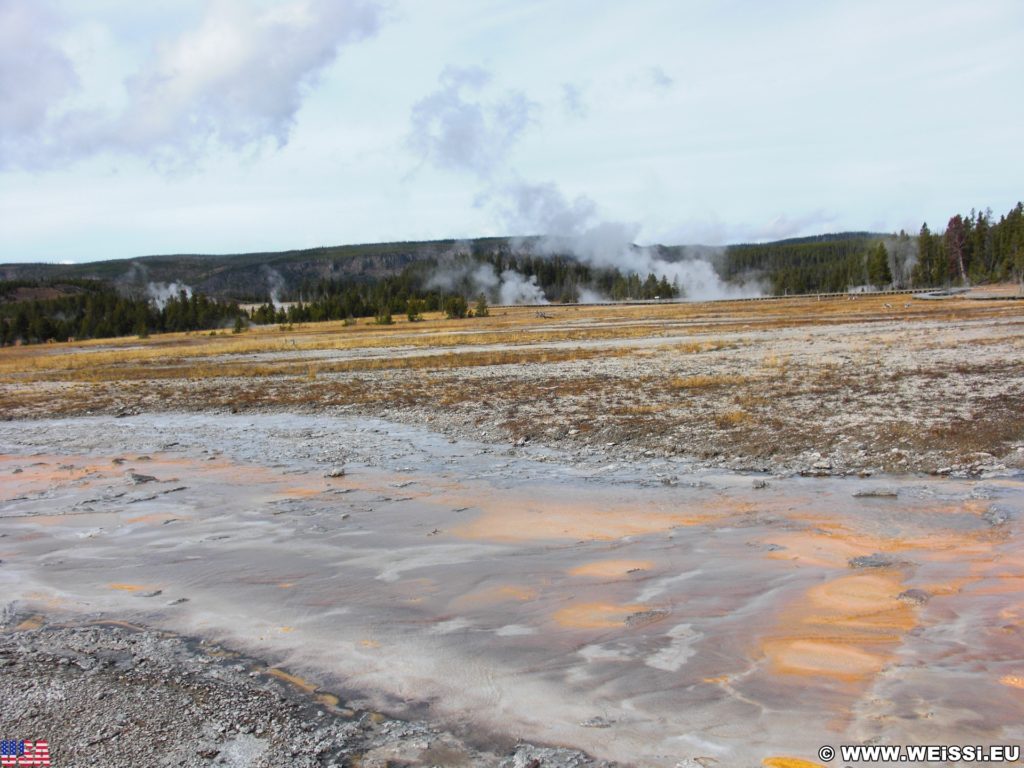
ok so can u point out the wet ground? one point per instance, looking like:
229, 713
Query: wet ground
643, 612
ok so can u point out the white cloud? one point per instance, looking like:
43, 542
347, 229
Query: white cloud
34, 73
237, 80
454, 128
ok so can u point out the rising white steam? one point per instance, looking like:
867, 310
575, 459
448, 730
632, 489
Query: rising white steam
459, 272
275, 285
466, 126
574, 227
161, 293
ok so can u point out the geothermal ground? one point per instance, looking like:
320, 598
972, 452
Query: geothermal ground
665, 535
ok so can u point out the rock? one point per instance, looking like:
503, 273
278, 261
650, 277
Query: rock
643, 618
335, 472
876, 493
134, 478
822, 464
876, 560
522, 441
996, 515
914, 596
596, 722
759, 484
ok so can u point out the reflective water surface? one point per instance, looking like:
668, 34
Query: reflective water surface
643, 613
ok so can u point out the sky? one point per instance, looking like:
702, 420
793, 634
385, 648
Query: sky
223, 126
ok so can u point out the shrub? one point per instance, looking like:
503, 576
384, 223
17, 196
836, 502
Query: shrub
455, 307
414, 310
383, 316
481, 310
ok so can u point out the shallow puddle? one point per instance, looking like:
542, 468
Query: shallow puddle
590, 606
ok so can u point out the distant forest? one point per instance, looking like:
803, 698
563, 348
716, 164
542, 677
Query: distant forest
973, 248
559, 278
88, 309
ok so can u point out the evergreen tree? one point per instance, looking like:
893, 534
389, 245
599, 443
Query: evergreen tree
414, 310
879, 274
481, 310
455, 307
383, 316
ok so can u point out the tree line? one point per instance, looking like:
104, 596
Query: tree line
560, 279
88, 309
973, 248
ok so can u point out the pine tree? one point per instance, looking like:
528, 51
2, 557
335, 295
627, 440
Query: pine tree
481, 310
879, 274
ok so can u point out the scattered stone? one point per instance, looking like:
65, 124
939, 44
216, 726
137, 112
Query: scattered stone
203, 704
597, 722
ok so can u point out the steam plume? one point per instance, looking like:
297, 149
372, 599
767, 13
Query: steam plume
161, 293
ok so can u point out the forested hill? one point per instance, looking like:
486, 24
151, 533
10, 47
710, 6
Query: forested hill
974, 247
245, 276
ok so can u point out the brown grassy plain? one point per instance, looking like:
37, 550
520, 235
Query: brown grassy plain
876, 382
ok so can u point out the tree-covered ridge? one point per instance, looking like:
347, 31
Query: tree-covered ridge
973, 248
88, 309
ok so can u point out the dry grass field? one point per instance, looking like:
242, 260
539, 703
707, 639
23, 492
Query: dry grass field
872, 383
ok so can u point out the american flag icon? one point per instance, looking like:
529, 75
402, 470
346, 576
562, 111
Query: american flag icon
18, 752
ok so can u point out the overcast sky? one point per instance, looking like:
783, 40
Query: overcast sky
170, 126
